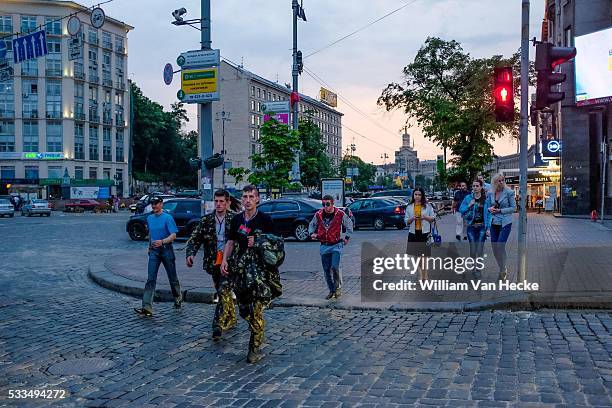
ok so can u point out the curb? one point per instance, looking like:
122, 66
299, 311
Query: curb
518, 301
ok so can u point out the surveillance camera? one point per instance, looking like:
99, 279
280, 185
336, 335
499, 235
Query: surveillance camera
178, 13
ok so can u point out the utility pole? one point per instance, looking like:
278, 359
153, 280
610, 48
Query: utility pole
522, 231
295, 170
206, 136
225, 116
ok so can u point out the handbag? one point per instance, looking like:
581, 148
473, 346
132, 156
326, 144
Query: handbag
434, 239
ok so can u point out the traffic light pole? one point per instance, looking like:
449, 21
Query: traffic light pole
524, 146
206, 137
295, 171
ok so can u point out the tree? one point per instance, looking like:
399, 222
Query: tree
449, 95
273, 164
238, 173
314, 163
366, 172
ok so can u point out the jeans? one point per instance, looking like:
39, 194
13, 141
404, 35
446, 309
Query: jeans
499, 237
330, 259
477, 234
162, 255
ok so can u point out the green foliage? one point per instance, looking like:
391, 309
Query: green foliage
367, 172
314, 163
449, 95
422, 181
273, 164
161, 150
238, 173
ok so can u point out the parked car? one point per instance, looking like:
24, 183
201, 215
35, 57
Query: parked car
379, 212
394, 193
36, 206
6, 208
81, 205
188, 194
143, 205
186, 213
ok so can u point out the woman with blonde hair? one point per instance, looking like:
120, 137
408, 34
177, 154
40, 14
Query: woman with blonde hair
501, 205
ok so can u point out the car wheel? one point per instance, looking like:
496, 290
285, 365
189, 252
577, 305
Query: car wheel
48, 214
301, 232
379, 224
137, 232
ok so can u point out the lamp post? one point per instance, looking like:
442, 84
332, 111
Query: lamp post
225, 116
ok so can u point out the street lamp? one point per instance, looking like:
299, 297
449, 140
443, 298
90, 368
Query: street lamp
225, 116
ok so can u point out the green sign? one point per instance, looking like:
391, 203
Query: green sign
76, 183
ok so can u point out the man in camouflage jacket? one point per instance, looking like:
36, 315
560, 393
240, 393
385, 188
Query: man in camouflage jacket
211, 233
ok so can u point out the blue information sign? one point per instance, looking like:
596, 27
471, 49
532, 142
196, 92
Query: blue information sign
30, 46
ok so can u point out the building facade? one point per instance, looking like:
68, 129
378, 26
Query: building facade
64, 123
406, 160
243, 95
581, 130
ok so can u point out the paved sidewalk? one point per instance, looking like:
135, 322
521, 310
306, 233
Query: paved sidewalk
565, 282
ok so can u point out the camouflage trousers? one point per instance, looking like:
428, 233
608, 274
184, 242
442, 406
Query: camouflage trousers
225, 312
251, 310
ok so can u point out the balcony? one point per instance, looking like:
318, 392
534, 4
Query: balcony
120, 49
32, 114
80, 76
94, 118
108, 46
107, 82
94, 79
107, 120
53, 115
53, 72
79, 116
120, 85
7, 113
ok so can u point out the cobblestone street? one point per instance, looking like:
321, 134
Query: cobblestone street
52, 313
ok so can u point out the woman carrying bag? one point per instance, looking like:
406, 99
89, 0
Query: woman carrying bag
474, 210
419, 217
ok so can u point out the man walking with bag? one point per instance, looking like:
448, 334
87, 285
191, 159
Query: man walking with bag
212, 233
162, 232
326, 227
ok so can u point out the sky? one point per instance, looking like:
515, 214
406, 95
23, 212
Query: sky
258, 34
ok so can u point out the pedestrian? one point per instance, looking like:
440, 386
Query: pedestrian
326, 227
501, 204
460, 226
419, 217
211, 234
473, 210
162, 232
485, 186
115, 203
540, 204
249, 278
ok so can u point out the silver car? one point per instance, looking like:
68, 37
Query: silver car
40, 207
6, 208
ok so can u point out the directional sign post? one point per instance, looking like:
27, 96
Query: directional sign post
199, 59
30, 46
199, 85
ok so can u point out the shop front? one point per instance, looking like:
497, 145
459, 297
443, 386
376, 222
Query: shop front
541, 185
60, 188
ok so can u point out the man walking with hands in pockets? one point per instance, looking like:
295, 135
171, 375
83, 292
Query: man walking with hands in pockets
326, 227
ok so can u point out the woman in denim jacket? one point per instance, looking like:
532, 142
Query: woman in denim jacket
501, 204
474, 211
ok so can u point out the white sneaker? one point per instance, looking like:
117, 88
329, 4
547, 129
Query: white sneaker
215, 298
233, 296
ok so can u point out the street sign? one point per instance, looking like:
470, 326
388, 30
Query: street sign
551, 148
97, 17
199, 85
30, 46
75, 48
199, 58
276, 107
74, 25
168, 73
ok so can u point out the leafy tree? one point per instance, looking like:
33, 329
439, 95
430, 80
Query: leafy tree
273, 164
449, 95
314, 163
238, 173
367, 172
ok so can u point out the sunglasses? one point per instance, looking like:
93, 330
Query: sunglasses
327, 204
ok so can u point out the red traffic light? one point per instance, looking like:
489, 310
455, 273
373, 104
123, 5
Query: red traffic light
503, 93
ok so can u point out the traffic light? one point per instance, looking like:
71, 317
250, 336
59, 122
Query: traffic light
300, 62
547, 58
503, 93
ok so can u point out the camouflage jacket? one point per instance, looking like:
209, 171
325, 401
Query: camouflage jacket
205, 235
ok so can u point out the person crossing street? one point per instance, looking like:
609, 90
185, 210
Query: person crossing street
326, 227
211, 234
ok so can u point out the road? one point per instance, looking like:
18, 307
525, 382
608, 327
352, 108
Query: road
51, 313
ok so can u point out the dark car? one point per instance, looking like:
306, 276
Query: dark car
379, 212
77, 205
188, 194
186, 213
394, 193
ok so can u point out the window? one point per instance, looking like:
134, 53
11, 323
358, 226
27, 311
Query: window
29, 67
55, 172
30, 136
119, 146
7, 136
93, 173
79, 100
106, 40
54, 100
286, 207
93, 143
119, 67
252, 149
7, 99
106, 174
7, 172
79, 142
54, 58
28, 24
106, 68
269, 95
259, 92
78, 172
258, 106
93, 36
6, 25
30, 98
54, 136
119, 44
188, 207
253, 134
252, 91
53, 26
31, 172
252, 105
107, 154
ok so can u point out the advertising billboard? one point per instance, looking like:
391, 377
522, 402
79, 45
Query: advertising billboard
594, 68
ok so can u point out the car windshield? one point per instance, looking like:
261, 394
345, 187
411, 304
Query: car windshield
170, 206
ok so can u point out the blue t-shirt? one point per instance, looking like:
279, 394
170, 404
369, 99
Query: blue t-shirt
161, 226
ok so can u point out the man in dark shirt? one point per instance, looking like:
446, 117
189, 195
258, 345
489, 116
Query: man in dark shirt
460, 227
246, 269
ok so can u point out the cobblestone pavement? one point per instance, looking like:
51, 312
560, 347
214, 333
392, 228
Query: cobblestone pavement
314, 357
